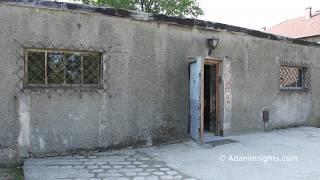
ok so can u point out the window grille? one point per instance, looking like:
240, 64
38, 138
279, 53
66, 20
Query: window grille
294, 77
62, 68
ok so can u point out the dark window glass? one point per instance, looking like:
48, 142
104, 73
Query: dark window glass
55, 68
300, 78
63, 68
73, 68
91, 68
36, 67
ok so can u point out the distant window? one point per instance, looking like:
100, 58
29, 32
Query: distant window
62, 68
292, 77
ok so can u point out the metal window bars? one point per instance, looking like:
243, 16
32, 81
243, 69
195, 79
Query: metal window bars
45, 68
50, 74
294, 77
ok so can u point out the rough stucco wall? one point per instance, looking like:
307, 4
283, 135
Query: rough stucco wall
255, 65
144, 104
147, 102
9, 125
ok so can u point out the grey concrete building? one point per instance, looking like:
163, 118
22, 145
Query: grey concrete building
77, 78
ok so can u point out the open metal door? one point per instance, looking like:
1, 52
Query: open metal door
195, 98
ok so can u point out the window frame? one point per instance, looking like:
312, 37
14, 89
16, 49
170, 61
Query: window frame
303, 88
28, 85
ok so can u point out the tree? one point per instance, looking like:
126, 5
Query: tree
168, 7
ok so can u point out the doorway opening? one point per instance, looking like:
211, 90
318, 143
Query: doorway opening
211, 98
205, 86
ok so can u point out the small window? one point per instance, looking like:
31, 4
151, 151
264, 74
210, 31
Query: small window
62, 68
292, 77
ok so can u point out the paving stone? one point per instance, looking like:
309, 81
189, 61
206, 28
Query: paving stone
131, 159
137, 162
114, 170
143, 173
105, 166
89, 163
117, 159
120, 162
53, 166
101, 163
97, 170
152, 178
166, 177
143, 165
122, 178
178, 177
164, 169
158, 173
92, 167
151, 169
130, 173
66, 167
131, 170
172, 172
78, 167
76, 157
108, 174
138, 178
80, 175
72, 163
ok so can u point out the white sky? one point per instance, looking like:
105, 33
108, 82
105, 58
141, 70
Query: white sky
255, 14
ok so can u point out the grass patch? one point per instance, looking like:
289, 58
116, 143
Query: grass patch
12, 172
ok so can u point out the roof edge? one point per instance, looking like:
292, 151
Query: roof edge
157, 18
309, 36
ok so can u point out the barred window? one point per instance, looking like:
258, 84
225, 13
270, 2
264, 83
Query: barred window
293, 77
62, 68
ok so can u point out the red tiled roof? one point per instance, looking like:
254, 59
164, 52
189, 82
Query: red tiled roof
298, 28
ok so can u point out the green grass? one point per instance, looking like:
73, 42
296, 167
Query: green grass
12, 172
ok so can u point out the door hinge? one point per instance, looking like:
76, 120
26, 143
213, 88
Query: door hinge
219, 79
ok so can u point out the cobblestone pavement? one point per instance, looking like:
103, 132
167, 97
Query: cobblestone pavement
123, 165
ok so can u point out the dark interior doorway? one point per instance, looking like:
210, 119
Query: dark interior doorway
210, 116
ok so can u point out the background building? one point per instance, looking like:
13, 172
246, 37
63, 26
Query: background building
305, 28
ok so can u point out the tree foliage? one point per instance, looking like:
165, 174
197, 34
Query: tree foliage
169, 7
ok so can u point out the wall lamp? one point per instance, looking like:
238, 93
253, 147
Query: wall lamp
212, 44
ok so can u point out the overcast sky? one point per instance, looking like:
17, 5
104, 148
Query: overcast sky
255, 14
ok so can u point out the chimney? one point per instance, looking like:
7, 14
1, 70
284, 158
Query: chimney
307, 13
